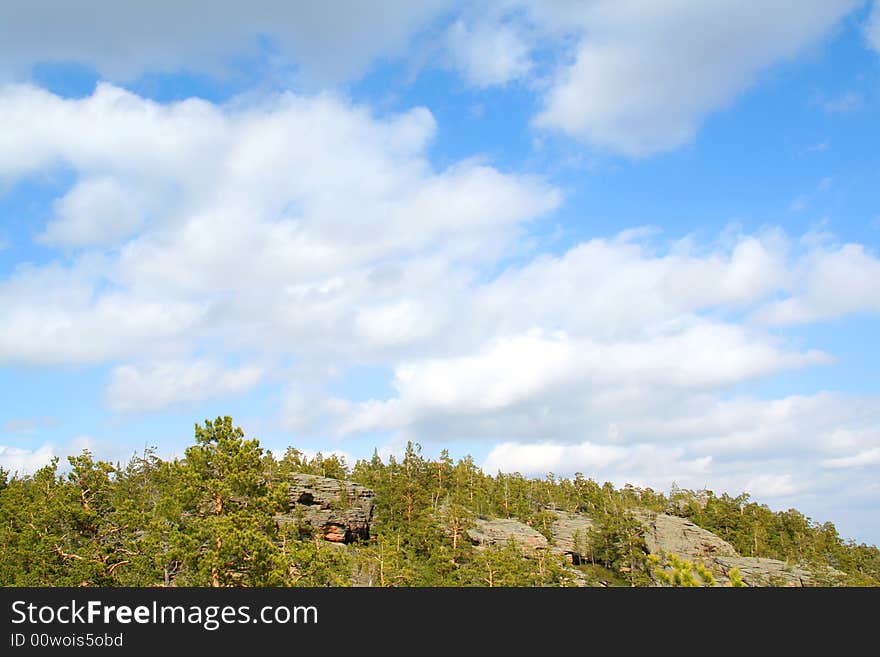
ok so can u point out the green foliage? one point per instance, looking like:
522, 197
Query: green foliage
507, 566
616, 541
671, 570
209, 519
736, 580
755, 530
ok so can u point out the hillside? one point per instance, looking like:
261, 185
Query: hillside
231, 514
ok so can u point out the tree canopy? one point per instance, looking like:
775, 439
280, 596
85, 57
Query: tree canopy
209, 519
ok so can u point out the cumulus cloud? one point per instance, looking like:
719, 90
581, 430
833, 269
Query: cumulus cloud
293, 218
646, 74
158, 385
488, 53
24, 461
834, 281
330, 41
305, 409
51, 317
98, 212
770, 448
538, 459
630, 76
521, 374
647, 466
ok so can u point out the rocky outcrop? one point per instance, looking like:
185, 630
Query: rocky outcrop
338, 510
342, 512
681, 537
570, 534
499, 531
667, 534
663, 533
765, 572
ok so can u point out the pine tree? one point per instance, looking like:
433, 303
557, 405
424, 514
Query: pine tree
228, 533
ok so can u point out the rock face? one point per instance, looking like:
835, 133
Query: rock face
570, 535
500, 530
765, 572
681, 537
340, 511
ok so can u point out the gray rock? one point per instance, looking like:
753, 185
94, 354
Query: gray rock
500, 530
764, 572
681, 537
770, 572
570, 534
667, 534
340, 511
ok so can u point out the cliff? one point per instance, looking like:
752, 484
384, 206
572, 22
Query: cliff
340, 511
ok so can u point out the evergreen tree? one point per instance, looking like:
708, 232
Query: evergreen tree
209, 519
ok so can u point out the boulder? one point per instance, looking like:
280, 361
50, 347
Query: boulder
340, 511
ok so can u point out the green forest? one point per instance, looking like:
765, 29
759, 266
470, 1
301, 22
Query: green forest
209, 519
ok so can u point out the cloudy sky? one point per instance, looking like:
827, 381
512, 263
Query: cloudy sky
638, 239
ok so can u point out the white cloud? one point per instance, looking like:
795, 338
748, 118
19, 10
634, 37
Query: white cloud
162, 384
541, 458
24, 461
859, 460
488, 53
294, 217
632, 76
332, 40
833, 281
773, 485
51, 318
98, 212
338, 453
640, 465
848, 102
513, 375
646, 74
616, 287
872, 27
771, 449
304, 408
395, 323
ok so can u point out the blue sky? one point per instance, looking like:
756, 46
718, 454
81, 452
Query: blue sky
638, 240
